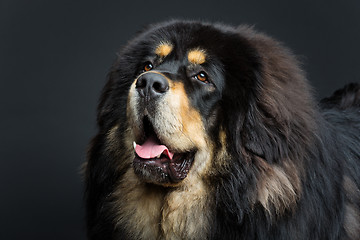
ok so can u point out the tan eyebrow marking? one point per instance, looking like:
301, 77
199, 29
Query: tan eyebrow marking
197, 56
163, 49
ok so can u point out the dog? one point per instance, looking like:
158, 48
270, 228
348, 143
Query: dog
209, 131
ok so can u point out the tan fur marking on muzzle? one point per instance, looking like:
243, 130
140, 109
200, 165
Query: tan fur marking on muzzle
192, 125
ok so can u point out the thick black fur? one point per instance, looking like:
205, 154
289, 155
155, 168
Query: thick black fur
322, 141
322, 207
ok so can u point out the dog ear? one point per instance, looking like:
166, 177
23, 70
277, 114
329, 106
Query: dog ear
265, 131
279, 117
251, 121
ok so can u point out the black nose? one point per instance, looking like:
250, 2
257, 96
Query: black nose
152, 85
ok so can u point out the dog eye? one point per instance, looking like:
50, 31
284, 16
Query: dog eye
148, 66
201, 76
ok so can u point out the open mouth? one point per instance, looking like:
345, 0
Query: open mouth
155, 162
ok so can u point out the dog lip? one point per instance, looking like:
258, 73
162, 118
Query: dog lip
180, 166
160, 169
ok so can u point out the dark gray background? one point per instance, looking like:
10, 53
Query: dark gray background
54, 57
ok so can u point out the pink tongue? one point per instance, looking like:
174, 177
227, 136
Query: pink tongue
151, 149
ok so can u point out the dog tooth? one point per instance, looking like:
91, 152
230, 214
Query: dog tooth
158, 156
134, 143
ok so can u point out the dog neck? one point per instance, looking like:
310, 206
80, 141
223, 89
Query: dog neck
146, 211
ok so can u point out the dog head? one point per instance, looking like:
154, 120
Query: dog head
183, 93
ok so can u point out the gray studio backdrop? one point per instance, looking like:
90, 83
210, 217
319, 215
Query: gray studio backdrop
54, 57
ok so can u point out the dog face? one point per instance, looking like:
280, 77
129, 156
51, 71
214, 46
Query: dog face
179, 91
169, 107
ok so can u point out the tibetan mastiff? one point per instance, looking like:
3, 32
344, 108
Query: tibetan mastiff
207, 131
